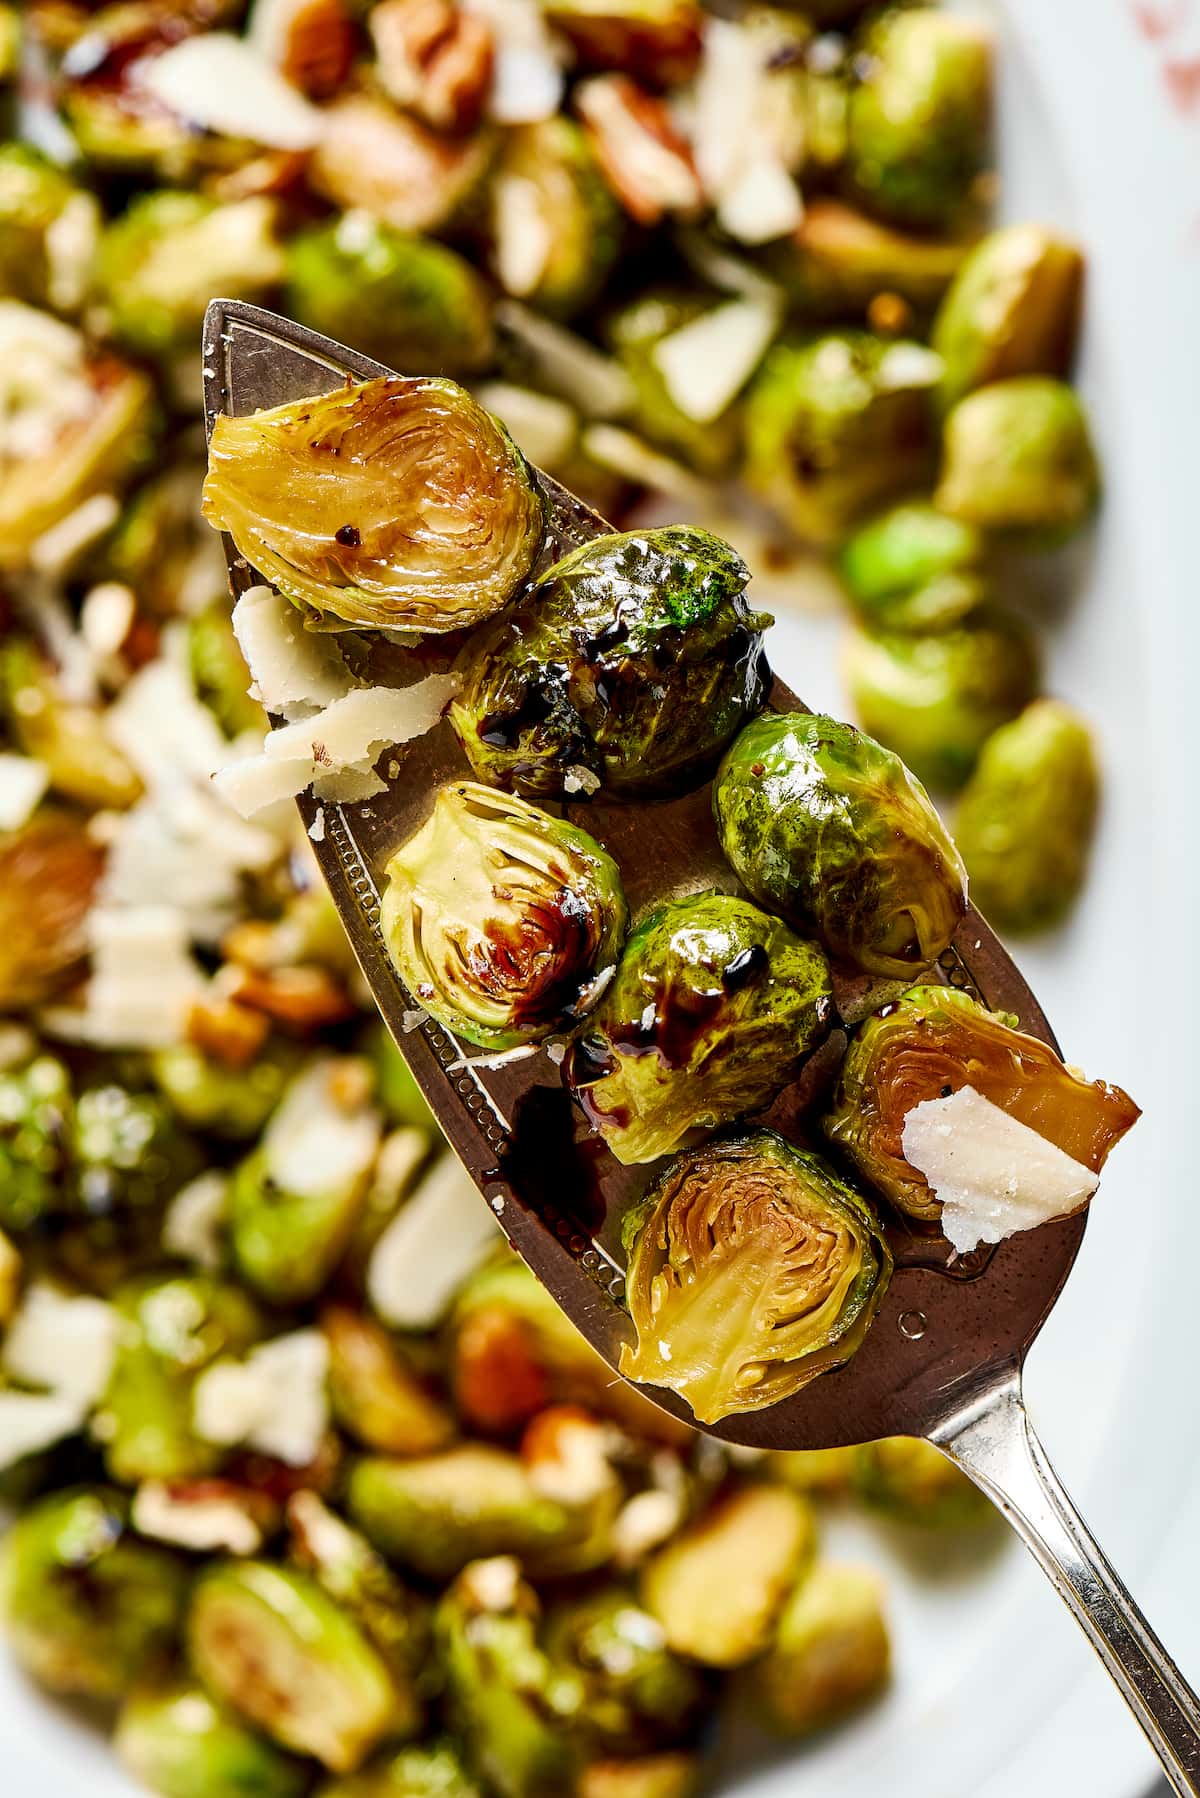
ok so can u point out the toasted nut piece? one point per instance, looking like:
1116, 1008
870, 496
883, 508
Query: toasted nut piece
305, 999
645, 161
434, 58
232, 1034
500, 1375
310, 41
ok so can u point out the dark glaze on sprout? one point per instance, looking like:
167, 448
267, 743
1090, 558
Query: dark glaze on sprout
712, 1010
501, 918
633, 662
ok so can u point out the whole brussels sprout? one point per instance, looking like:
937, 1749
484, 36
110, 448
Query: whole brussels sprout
913, 568
656, 41
275, 1648
638, 1694
376, 1397
127, 1151
911, 1480
87, 1608
1012, 309
928, 1044
179, 1743
165, 257
70, 737
515, 1710
838, 260
501, 919
1025, 822
285, 1244
630, 665
836, 424
219, 672
49, 871
405, 300
1018, 456
649, 1776
433, 1770
830, 1652
712, 1011
172, 1329
717, 1588
637, 331
749, 1214
936, 697
920, 115
828, 828
349, 550
35, 1108
49, 228
554, 228
230, 1102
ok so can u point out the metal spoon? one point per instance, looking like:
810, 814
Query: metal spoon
944, 1356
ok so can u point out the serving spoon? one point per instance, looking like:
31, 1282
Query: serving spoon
944, 1356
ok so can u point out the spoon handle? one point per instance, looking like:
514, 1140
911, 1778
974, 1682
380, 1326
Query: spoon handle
995, 1444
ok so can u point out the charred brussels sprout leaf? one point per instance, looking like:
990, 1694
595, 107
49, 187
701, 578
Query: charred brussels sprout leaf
501, 918
279, 1651
828, 828
1013, 309
936, 697
403, 299
912, 1481
554, 226
639, 1695
753, 1268
934, 1041
1025, 823
49, 871
48, 229
913, 568
835, 425
1018, 457
630, 666
179, 1743
830, 1652
711, 1013
87, 1608
432, 523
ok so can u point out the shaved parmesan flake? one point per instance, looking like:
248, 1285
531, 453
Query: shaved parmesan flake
222, 83
740, 154
208, 1523
761, 203
524, 238
62, 1341
400, 1156
295, 672
194, 1219
162, 727
544, 428
632, 457
439, 1236
57, 549
22, 784
993, 1174
314, 1141
594, 383
31, 1421
644, 1522
274, 1401
144, 980
500, 1059
527, 76
705, 364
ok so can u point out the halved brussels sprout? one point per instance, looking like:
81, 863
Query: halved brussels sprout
276, 1649
376, 1397
433, 1770
286, 1244
229, 1102
752, 1269
636, 332
838, 260
639, 1695
179, 1743
830, 1652
836, 424
69, 736
163, 260
219, 672
827, 827
1025, 822
930, 1043
1013, 309
913, 568
405, 300
49, 872
655, 41
373, 156
86, 1607
630, 665
920, 115
432, 523
128, 1153
163, 549
717, 1588
554, 228
36, 1104
48, 230
936, 697
714, 1006
1018, 456
911, 1480
500, 918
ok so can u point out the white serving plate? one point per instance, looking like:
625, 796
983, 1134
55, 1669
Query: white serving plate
996, 1695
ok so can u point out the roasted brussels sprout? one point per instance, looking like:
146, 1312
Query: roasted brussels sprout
286, 1243
629, 666
936, 697
830, 1651
1012, 309
70, 737
86, 1607
912, 1481
219, 672
554, 228
179, 1743
10, 1278
935, 1040
749, 1215
162, 548
433, 1771
838, 261
920, 115
389, 164
718, 1587
1018, 457
405, 300
230, 1102
655, 41
454, 552
828, 828
515, 1710
823, 1472
376, 1397
127, 1152
163, 259
836, 424
712, 1011
275, 1648
1025, 823
500, 918
49, 228
638, 1694
913, 568
641, 334
172, 1329
49, 871
650, 1776
36, 1103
